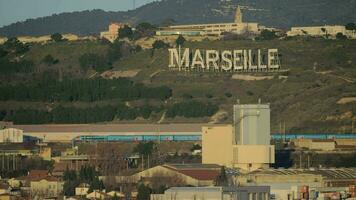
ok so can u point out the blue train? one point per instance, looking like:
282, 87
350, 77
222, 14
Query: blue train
314, 136
197, 137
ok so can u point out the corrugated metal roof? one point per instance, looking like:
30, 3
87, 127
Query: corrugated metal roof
337, 173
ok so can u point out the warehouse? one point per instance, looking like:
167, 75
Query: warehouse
112, 132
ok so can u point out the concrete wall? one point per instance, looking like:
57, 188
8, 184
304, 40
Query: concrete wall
217, 142
252, 157
252, 124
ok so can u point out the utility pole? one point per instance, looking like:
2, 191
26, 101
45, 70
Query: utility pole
284, 130
134, 4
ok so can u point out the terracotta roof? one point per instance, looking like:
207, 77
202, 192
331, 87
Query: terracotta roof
203, 173
4, 186
47, 178
36, 174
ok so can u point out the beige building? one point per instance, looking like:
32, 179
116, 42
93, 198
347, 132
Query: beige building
214, 193
219, 148
97, 195
11, 135
3, 40
238, 27
113, 32
46, 187
245, 145
315, 144
82, 189
317, 30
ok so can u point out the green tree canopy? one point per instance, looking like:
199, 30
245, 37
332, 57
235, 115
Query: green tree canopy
180, 40
143, 192
221, 179
341, 36
125, 32
57, 37
159, 44
267, 35
145, 148
350, 26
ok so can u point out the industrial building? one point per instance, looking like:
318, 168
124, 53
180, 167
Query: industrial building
214, 193
112, 132
297, 183
237, 27
245, 144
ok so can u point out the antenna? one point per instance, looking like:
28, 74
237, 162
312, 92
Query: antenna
134, 4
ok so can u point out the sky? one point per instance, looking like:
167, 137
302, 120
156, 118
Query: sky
19, 10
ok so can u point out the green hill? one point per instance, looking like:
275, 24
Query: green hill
307, 96
271, 13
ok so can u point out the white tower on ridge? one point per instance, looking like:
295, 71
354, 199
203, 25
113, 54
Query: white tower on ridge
238, 15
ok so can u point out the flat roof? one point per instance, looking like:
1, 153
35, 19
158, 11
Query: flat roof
124, 128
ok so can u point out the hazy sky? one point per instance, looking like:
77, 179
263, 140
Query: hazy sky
19, 10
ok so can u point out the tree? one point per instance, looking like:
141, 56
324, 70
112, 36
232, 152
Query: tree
222, 179
145, 148
325, 31
115, 197
168, 22
125, 32
57, 37
159, 44
180, 40
341, 36
267, 35
143, 192
146, 29
350, 26
49, 60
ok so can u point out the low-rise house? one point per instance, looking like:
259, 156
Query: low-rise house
97, 195
14, 183
5, 188
117, 194
8, 197
82, 189
47, 187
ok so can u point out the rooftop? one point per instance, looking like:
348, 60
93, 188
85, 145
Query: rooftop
196, 171
337, 173
48, 128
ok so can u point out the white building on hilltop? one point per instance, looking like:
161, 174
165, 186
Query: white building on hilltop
322, 31
238, 27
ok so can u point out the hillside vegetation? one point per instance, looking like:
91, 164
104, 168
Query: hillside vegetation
271, 13
317, 74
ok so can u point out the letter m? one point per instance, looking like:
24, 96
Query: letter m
176, 57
